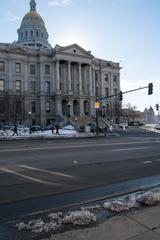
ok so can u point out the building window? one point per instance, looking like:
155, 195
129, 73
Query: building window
106, 77
18, 67
47, 106
47, 69
33, 107
33, 87
47, 87
2, 106
26, 34
32, 69
18, 106
18, 86
115, 78
1, 85
106, 92
31, 33
41, 35
37, 33
2, 66
115, 91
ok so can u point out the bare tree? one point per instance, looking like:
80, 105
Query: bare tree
131, 113
11, 108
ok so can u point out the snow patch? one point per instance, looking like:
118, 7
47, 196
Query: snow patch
38, 226
79, 218
120, 205
149, 198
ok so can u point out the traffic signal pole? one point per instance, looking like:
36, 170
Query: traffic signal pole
133, 90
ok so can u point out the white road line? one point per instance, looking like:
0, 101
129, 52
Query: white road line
46, 171
147, 162
27, 177
73, 146
129, 149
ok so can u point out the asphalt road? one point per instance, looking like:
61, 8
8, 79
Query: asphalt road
40, 174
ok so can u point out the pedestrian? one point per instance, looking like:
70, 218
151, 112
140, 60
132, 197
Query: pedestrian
52, 128
15, 130
57, 129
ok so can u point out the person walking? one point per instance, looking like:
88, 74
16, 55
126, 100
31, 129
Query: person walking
15, 130
57, 129
52, 128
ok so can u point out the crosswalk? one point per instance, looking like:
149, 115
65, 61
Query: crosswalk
37, 175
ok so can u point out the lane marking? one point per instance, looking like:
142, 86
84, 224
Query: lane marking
46, 171
27, 177
147, 162
129, 149
74, 146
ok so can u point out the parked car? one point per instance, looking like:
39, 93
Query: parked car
35, 128
48, 127
5, 127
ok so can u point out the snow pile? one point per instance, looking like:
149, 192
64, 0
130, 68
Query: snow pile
80, 218
39, 226
33, 225
55, 221
91, 208
69, 127
120, 205
149, 198
56, 217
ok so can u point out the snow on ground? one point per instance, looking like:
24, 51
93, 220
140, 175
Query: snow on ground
83, 217
66, 131
121, 205
89, 214
54, 221
152, 127
149, 198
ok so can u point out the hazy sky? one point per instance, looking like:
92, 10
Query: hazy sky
125, 31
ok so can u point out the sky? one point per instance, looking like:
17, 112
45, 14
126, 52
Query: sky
124, 31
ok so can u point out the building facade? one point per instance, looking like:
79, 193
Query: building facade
41, 84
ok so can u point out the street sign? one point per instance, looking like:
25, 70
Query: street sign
96, 104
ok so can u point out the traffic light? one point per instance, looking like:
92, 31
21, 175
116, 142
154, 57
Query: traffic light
150, 88
120, 96
157, 107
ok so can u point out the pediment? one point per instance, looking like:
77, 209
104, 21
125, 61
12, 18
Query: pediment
74, 49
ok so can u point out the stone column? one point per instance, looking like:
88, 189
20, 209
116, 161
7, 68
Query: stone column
80, 78
69, 78
10, 78
42, 96
58, 106
90, 81
57, 78
94, 82
81, 107
92, 109
26, 81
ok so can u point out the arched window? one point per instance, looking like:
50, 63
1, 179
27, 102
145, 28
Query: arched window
76, 107
64, 108
86, 107
26, 34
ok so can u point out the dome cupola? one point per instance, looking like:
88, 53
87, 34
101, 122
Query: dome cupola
32, 31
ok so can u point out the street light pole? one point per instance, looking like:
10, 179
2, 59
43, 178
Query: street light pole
29, 113
68, 107
97, 106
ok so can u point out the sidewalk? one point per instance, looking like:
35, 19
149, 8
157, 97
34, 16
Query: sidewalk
142, 224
